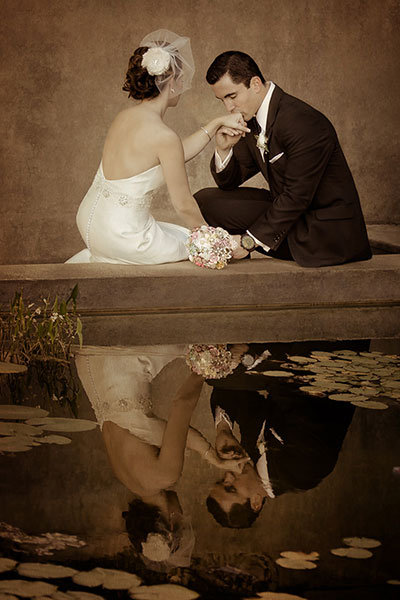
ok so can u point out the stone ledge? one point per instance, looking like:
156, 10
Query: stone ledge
385, 238
255, 300
245, 285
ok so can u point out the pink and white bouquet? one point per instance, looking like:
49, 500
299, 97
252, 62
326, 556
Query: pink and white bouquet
211, 362
210, 247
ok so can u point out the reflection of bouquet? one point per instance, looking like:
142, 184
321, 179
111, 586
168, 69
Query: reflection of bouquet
211, 362
210, 247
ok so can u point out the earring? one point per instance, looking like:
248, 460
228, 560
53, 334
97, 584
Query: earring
172, 90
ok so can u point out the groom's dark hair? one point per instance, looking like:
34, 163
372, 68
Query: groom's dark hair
240, 67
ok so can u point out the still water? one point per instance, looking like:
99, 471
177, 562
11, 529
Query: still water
287, 478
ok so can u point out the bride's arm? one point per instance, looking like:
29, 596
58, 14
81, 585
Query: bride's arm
170, 154
195, 143
172, 452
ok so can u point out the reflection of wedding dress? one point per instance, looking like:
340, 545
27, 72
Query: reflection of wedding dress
116, 225
117, 382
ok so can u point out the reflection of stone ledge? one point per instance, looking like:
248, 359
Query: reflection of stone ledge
271, 299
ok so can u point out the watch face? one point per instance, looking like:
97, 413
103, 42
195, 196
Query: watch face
247, 242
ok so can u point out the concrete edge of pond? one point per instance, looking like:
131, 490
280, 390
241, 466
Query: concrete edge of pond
269, 299
244, 285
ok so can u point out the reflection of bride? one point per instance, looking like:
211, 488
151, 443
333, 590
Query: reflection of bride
146, 452
140, 154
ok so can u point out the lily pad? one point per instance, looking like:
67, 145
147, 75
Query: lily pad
7, 564
321, 354
8, 368
352, 552
12, 428
277, 373
16, 443
46, 570
365, 391
294, 554
313, 391
118, 580
84, 596
361, 542
395, 385
59, 596
166, 591
302, 360
61, 440
20, 413
27, 589
371, 404
347, 398
62, 424
297, 564
91, 578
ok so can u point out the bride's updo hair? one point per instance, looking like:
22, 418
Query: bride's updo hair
139, 83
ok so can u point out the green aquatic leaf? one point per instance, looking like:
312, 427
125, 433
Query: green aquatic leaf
347, 398
352, 552
361, 542
371, 404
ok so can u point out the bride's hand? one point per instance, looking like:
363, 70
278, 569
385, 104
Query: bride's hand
238, 251
232, 129
228, 464
236, 123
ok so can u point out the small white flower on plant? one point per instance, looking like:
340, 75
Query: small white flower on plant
262, 141
156, 61
156, 547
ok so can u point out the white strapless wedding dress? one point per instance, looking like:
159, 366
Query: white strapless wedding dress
116, 224
117, 381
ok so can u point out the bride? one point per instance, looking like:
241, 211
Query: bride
145, 451
140, 154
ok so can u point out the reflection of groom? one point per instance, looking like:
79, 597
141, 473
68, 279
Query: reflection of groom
293, 439
312, 213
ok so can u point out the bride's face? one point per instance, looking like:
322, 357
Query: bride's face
238, 98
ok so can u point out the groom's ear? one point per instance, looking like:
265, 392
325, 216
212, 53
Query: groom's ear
256, 84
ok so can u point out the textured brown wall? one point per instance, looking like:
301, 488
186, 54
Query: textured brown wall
64, 62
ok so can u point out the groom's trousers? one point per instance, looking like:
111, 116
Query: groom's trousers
236, 210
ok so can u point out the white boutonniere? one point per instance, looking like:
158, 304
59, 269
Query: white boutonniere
262, 141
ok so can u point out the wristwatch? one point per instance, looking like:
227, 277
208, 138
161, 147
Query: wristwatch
247, 242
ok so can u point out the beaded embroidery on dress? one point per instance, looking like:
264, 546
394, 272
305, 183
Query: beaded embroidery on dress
117, 381
116, 224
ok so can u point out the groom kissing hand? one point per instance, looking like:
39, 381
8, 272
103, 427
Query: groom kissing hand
311, 212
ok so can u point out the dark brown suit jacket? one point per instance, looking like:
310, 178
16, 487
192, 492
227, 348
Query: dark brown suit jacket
315, 203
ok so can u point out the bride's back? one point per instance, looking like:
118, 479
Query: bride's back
130, 147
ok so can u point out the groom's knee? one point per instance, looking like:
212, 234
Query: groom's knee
204, 196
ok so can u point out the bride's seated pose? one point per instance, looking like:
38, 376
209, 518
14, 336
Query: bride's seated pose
141, 153
146, 452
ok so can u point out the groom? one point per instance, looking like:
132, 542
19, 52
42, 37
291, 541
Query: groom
312, 213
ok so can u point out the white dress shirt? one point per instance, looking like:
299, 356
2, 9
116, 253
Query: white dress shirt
262, 464
261, 116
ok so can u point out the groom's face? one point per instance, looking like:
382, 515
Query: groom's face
238, 98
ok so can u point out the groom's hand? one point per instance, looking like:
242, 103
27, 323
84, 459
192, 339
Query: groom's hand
225, 139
